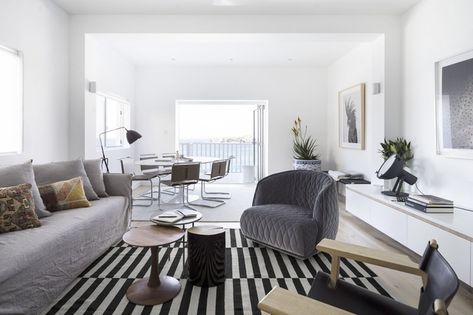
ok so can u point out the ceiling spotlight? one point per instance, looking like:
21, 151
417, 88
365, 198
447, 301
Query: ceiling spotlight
173, 59
231, 59
289, 59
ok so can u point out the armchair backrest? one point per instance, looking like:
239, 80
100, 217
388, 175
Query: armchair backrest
301, 188
442, 281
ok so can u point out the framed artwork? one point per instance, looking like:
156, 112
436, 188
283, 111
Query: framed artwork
454, 106
351, 111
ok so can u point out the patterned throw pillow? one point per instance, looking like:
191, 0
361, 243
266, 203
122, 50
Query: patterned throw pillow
67, 194
17, 210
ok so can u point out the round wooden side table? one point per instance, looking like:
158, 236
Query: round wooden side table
206, 252
156, 289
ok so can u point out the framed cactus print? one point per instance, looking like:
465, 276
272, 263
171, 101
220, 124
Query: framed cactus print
351, 111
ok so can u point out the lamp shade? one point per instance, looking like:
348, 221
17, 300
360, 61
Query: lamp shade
391, 168
132, 136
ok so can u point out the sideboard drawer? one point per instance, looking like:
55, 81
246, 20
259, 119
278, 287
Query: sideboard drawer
389, 221
456, 250
358, 205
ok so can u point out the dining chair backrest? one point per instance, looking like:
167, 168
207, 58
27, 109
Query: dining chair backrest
185, 173
148, 156
229, 161
128, 165
219, 169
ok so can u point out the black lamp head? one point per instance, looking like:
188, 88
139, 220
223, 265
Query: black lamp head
393, 167
132, 136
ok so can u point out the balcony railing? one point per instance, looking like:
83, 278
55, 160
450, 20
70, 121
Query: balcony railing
242, 153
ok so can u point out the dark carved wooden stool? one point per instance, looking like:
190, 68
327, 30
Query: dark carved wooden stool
206, 255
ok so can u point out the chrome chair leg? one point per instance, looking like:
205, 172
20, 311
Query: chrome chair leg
150, 199
222, 195
207, 202
185, 198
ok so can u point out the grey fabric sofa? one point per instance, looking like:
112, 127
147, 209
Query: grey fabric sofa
292, 211
36, 265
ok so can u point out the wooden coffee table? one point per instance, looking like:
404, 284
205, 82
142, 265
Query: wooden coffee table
156, 289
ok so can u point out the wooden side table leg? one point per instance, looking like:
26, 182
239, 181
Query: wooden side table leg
153, 290
154, 280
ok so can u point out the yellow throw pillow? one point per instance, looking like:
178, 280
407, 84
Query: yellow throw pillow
67, 194
17, 209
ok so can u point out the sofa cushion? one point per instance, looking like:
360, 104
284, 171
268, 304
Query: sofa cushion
67, 194
17, 209
41, 262
23, 174
288, 228
94, 172
58, 171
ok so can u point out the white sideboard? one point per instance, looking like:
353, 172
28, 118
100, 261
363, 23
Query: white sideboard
413, 228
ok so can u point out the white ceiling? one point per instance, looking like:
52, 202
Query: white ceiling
232, 49
236, 6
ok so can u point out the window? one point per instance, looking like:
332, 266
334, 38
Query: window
11, 101
112, 113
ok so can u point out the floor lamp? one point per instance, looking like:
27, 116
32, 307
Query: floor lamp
131, 136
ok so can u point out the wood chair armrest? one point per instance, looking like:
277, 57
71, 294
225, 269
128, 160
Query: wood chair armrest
389, 260
283, 302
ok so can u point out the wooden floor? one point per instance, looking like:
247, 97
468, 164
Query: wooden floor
404, 287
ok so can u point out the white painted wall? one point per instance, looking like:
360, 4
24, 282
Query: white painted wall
364, 64
83, 24
432, 31
290, 91
40, 30
114, 75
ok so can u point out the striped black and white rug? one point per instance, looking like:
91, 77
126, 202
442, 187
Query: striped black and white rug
251, 272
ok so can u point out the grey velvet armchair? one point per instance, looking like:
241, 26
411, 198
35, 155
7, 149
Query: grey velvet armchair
292, 211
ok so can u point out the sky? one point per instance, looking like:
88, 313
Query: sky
214, 121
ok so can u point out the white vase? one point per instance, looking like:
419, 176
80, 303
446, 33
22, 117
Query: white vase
310, 165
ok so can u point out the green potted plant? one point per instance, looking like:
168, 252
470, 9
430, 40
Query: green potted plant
398, 146
304, 149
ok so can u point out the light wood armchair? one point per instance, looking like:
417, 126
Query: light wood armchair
390, 260
280, 301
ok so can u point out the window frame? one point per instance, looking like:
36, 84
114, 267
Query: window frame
21, 121
125, 111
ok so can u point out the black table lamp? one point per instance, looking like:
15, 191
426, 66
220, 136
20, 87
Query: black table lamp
394, 167
131, 136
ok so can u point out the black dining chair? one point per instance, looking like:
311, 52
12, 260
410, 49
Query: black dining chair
184, 175
128, 167
161, 173
217, 195
217, 171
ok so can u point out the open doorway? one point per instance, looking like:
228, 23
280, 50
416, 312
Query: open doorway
224, 129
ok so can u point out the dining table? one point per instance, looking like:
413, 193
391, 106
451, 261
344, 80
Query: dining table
169, 162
